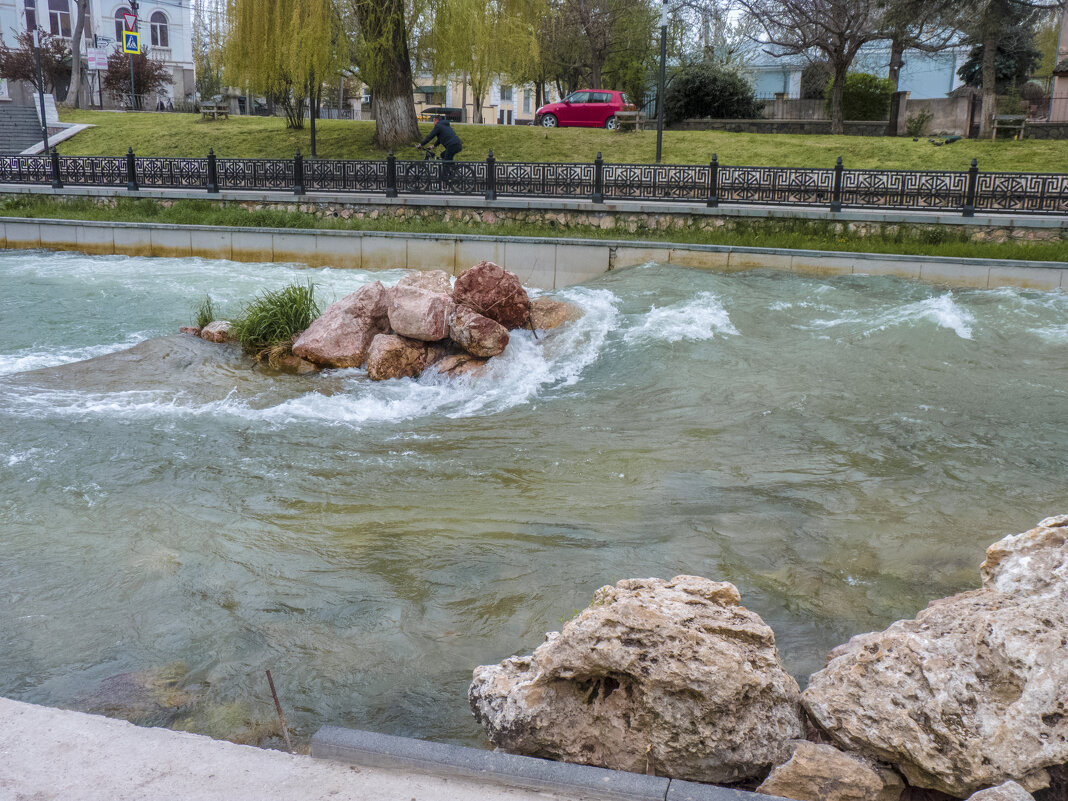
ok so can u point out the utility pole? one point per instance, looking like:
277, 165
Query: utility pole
133, 88
660, 85
40, 89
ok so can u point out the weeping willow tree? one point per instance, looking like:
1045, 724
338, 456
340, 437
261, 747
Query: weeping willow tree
284, 49
484, 39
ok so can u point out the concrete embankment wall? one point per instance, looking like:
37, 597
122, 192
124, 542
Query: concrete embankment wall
541, 262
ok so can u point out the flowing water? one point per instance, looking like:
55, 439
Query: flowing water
841, 449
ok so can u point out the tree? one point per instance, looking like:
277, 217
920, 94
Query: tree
20, 63
834, 28
150, 75
915, 25
705, 90
1014, 61
866, 97
81, 8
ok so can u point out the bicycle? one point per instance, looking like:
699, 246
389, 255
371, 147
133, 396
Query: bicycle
426, 176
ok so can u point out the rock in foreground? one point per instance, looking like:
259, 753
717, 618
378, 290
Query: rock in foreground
493, 292
341, 336
672, 677
823, 773
972, 692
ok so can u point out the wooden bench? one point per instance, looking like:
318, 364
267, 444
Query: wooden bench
214, 111
630, 119
1009, 122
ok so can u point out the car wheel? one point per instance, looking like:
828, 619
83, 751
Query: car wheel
611, 123
548, 121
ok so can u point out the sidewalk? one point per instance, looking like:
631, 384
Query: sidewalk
52, 754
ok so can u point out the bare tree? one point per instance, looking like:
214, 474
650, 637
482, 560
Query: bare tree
915, 25
81, 7
835, 28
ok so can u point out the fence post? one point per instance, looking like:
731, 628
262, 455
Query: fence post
491, 177
598, 179
57, 181
213, 172
391, 175
298, 173
969, 195
836, 192
131, 171
713, 182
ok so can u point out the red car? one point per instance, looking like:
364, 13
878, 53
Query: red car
590, 108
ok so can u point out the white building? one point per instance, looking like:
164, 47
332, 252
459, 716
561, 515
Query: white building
166, 28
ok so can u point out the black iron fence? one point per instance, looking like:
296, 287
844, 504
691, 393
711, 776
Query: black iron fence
964, 192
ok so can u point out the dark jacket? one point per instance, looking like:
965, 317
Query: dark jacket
446, 136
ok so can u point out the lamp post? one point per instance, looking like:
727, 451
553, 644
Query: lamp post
40, 89
660, 85
133, 90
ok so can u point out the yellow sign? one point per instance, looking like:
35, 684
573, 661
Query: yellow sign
131, 42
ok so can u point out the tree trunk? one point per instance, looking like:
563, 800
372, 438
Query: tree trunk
389, 72
990, 96
897, 50
837, 92
76, 55
463, 101
595, 72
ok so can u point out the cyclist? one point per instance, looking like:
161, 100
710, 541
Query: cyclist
447, 138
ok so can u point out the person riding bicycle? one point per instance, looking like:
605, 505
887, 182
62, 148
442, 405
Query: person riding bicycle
446, 137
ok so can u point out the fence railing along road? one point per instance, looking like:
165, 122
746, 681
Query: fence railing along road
964, 192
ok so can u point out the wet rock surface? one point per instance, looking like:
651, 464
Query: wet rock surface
420, 314
666, 677
342, 335
493, 292
478, 335
392, 356
547, 313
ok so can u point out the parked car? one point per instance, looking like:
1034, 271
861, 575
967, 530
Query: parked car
590, 108
451, 114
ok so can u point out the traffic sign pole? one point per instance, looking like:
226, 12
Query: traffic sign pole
133, 87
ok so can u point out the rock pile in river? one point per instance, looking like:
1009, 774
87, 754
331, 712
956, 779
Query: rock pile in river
676, 678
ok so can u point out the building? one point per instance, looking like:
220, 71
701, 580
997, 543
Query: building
166, 27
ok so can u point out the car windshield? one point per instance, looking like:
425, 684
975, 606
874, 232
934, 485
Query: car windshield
578, 97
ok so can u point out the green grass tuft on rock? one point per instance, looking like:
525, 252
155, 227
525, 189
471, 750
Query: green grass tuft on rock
275, 318
205, 312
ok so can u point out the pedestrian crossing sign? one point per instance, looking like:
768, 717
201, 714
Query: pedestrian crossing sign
131, 42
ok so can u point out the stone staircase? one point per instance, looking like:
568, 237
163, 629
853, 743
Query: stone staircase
19, 128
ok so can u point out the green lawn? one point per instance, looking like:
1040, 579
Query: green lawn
186, 135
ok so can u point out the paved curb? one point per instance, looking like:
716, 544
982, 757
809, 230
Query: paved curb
386, 751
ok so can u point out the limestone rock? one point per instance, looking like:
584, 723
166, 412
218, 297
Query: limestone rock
493, 292
218, 331
823, 773
341, 336
192, 330
478, 335
672, 677
974, 690
547, 313
290, 363
392, 356
461, 364
419, 313
430, 280
1009, 791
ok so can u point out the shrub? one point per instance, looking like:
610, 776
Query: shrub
704, 90
274, 318
866, 97
205, 312
814, 79
916, 123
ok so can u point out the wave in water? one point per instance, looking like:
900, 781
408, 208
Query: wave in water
38, 358
942, 310
699, 318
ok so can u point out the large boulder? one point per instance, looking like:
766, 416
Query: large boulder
420, 314
548, 313
974, 690
817, 772
341, 336
392, 356
478, 335
672, 677
493, 292
430, 280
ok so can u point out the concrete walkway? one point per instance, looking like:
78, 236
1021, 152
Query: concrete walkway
51, 754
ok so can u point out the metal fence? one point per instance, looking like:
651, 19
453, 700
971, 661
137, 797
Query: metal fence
964, 192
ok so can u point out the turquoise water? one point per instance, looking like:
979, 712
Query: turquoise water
842, 449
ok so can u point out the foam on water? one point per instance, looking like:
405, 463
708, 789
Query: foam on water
942, 310
697, 319
37, 358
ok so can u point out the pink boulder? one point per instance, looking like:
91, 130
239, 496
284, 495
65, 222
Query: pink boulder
478, 335
548, 313
419, 313
218, 331
493, 292
430, 280
342, 335
392, 356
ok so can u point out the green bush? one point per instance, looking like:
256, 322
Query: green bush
866, 97
814, 79
205, 312
915, 124
274, 318
704, 90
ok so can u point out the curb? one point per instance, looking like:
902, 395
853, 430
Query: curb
374, 750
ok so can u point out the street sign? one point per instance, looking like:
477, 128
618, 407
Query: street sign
130, 21
131, 42
98, 58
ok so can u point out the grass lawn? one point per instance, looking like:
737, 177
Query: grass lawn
787, 233
153, 134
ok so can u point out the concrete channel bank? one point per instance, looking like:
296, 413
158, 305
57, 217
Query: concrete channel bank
52, 754
546, 263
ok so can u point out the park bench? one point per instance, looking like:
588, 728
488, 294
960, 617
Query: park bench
630, 119
1009, 122
214, 111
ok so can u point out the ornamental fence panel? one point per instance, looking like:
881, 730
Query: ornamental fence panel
965, 191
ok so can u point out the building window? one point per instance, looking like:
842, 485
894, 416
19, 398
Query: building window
526, 102
59, 17
120, 23
506, 94
158, 22
31, 14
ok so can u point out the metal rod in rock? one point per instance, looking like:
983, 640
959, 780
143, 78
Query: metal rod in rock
281, 717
